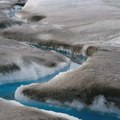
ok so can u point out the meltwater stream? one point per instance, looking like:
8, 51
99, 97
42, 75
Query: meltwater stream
7, 91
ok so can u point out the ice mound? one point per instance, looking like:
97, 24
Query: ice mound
23, 99
32, 72
19, 107
99, 104
60, 3
22, 62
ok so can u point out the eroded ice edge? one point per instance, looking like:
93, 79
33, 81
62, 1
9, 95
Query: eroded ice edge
98, 104
33, 73
12, 102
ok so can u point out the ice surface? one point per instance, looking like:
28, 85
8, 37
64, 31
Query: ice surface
33, 63
17, 104
21, 98
62, 115
32, 72
99, 103
61, 3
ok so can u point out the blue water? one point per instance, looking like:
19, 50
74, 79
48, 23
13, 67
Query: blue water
84, 114
74, 57
7, 91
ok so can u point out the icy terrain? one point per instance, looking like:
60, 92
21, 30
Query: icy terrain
76, 29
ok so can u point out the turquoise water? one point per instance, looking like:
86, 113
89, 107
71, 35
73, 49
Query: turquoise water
7, 91
74, 57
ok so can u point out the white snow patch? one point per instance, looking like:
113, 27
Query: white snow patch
114, 42
100, 104
31, 72
75, 104
54, 102
74, 66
